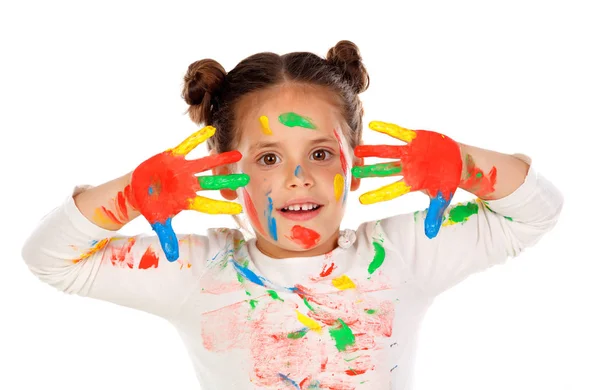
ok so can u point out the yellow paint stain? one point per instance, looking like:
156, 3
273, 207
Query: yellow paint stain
213, 206
385, 193
193, 140
448, 222
338, 186
101, 218
264, 122
99, 245
343, 283
308, 322
395, 131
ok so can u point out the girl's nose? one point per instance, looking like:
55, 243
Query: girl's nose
298, 177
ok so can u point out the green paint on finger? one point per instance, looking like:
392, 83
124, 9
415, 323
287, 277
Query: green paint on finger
378, 258
342, 336
231, 182
377, 170
291, 119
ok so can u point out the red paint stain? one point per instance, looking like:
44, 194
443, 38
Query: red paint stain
149, 259
252, 214
477, 182
355, 372
327, 271
431, 162
308, 238
121, 214
121, 255
163, 185
343, 158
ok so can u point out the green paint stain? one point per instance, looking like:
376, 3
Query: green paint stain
248, 293
232, 181
479, 175
298, 334
509, 218
378, 258
376, 170
253, 303
342, 336
354, 358
308, 305
291, 119
240, 279
370, 311
274, 295
461, 213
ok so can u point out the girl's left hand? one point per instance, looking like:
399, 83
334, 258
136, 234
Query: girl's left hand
429, 162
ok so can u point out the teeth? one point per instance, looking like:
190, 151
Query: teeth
303, 207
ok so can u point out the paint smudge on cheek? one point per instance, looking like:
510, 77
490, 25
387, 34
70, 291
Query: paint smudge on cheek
291, 119
251, 210
271, 221
305, 237
338, 186
264, 123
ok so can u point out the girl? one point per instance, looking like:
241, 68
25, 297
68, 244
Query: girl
302, 305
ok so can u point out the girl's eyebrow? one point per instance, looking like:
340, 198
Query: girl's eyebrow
266, 145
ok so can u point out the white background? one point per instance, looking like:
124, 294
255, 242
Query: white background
90, 89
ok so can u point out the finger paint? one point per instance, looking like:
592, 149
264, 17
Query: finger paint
149, 259
305, 237
435, 214
232, 181
264, 123
298, 171
213, 206
192, 141
393, 130
476, 181
271, 222
342, 336
308, 322
377, 170
291, 119
338, 186
167, 238
251, 211
385, 193
343, 283
381, 151
378, 258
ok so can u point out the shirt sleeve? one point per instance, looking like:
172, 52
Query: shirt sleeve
75, 256
475, 235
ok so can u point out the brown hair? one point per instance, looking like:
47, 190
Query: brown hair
212, 93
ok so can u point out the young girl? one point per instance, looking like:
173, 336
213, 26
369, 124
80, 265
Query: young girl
302, 305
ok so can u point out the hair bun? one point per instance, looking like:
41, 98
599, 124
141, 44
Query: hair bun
202, 82
346, 57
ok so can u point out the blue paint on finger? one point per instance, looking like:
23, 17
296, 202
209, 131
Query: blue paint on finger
168, 239
435, 214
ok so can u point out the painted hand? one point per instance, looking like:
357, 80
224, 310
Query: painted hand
166, 184
429, 162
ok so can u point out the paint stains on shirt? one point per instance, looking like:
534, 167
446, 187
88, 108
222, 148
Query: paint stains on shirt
378, 258
461, 213
343, 283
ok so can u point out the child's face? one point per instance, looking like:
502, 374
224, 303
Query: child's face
299, 175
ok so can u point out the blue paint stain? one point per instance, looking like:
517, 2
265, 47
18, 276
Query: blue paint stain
93, 243
298, 171
167, 238
249, 274
435, 214
289, 380
271, 222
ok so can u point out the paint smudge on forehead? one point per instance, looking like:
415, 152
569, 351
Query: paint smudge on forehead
264, 124
305, 237
291, 119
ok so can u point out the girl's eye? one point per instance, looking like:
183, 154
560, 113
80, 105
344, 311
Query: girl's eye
321, 155
268, 159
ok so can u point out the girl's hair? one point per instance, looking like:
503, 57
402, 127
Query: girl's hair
213, 94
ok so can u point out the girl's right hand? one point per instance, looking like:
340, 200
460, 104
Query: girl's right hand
166, 184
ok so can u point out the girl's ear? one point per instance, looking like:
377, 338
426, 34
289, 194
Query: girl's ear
224, 170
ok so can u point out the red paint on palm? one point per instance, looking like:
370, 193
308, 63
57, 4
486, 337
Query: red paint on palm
431, 162
164, 185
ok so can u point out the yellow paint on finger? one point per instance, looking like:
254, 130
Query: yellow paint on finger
338, 186
385, 193
343, 283
193, 140
213, 206
308, 322
395, 131
264, 122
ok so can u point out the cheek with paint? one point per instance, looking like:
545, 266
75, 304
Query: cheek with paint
271, 221
306, 238
341, 183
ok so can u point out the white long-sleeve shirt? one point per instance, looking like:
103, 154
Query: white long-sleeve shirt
344, 320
